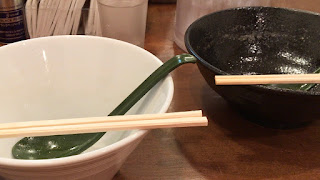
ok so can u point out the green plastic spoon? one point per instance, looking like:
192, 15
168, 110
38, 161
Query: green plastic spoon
48, 147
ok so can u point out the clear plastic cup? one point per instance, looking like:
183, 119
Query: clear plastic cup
124, 20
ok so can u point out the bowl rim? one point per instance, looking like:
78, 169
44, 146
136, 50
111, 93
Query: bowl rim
43, 163
218, 71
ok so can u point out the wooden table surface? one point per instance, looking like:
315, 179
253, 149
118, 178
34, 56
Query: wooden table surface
231, 147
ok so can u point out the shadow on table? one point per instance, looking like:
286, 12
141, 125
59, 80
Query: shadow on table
234, 147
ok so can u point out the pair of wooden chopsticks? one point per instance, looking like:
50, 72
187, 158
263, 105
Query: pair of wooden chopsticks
267, 79
102, 124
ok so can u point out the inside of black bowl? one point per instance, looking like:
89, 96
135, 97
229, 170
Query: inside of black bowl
260, 40
257, 40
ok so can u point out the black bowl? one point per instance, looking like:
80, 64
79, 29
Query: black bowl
260, 40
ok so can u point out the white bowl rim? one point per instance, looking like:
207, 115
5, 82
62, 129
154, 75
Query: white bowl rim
99, 152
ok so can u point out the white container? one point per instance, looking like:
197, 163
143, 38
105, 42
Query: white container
124, 20
75, 76
188, 11
309, 5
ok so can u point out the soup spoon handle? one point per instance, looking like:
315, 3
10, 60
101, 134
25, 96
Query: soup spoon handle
47, 147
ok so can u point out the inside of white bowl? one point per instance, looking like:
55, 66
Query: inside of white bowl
70, 77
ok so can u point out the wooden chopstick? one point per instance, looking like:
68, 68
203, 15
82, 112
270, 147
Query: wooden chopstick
267, 79
91, 120
40, 128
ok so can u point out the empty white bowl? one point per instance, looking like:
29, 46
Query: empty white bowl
75, 76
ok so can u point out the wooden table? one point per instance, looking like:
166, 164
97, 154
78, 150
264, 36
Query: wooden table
231, 147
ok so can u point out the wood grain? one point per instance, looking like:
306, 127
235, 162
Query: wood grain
230, 147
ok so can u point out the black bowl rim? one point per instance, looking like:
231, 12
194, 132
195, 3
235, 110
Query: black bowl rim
216, 70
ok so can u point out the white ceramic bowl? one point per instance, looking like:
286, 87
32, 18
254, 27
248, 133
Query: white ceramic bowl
69, 77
